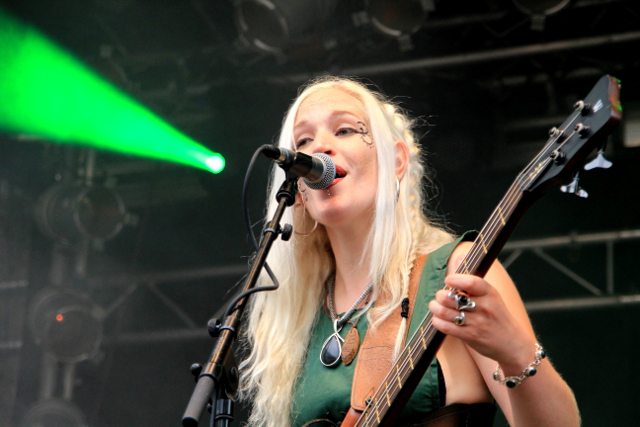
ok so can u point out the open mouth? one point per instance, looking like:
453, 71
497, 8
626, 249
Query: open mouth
340, 173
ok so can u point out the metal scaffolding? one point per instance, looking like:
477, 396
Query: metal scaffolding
511, 252
607, 298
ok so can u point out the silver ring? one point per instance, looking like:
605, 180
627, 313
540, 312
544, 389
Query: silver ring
460, 320
463, 302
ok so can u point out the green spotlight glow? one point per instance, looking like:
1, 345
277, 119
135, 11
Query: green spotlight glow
215, 163
45, 91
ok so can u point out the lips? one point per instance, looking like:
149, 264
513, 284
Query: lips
340, 173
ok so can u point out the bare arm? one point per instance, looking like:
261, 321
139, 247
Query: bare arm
498, 331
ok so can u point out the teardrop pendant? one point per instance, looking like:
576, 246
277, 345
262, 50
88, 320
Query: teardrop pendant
331, 350
350, 346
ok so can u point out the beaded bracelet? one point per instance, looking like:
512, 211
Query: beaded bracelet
529, 371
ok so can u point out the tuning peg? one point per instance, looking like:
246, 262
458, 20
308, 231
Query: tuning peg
574, 188
598, 162
560, 135
582, 130
583, 107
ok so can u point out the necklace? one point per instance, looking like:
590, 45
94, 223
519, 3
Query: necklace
331, 352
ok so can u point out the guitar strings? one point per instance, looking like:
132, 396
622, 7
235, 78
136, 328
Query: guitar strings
522, 179
474, 256
367, 417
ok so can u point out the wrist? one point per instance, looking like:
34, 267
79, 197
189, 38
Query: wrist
517, 356
529, 370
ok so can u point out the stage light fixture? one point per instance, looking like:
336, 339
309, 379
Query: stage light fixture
272, 25
67, 323
398, 18
540, 9
54, 413
70, 212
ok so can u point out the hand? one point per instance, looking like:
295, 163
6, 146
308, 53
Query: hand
490, 327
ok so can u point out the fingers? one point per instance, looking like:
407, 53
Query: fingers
460, 311
472, 285
441, 311
483, 322
463, 292
451, 322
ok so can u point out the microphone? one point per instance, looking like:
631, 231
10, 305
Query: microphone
317, 171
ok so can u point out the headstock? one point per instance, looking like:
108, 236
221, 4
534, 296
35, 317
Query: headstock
568, 145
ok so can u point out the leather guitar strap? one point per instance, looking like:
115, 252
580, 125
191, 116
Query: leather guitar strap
376, 353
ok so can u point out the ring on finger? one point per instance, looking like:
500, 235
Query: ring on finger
463, 301
460, 319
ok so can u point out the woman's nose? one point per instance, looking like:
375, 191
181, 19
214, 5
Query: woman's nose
323, 143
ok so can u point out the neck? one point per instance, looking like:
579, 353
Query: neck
352, 274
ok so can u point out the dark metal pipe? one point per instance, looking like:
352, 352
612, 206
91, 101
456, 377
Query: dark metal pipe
589, 238
581, 303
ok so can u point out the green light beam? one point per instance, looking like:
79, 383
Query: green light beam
45, 91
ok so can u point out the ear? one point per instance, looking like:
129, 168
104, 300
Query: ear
299, 200
402, 158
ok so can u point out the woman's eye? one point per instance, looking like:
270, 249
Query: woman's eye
302, 142
345, 131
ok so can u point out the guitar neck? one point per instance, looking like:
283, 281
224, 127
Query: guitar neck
496, 231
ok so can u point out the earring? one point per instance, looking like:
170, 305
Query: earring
397, 188
313, 230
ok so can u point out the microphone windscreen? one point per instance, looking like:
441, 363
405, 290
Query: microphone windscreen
328, 174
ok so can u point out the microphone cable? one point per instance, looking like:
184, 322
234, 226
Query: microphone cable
252, 238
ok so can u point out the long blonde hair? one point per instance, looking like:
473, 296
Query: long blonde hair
281, 322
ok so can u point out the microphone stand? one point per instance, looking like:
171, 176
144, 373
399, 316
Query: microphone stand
218, 379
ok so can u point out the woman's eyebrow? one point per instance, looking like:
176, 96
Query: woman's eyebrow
334, 114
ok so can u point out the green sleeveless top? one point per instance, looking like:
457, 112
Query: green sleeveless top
324, 393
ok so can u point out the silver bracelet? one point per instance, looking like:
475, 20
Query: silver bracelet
529, 371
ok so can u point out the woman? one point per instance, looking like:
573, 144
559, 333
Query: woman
353, 254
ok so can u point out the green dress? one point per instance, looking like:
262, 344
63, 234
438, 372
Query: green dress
324, 393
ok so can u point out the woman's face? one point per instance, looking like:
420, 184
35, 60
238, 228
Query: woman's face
333, 122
